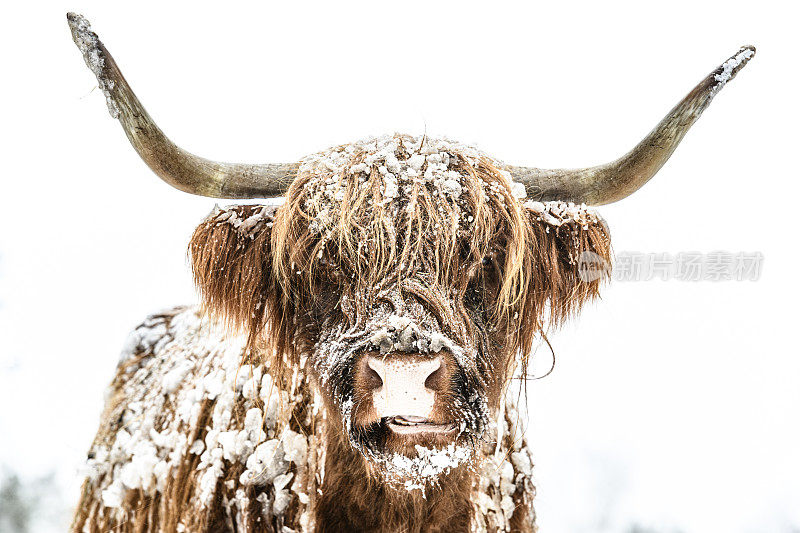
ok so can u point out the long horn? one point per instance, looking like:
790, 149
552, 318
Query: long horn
614, 181
173, 164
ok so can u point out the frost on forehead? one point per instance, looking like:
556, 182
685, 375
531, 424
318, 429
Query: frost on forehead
403, 164
401, 160
396, 155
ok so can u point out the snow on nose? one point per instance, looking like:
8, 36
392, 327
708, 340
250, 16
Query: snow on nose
403, 392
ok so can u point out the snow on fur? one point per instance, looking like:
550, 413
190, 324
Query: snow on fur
183, 396
430, 161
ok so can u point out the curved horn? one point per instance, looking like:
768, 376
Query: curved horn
174, 165
614, 181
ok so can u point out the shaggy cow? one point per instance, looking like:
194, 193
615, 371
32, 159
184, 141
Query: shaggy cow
374, 321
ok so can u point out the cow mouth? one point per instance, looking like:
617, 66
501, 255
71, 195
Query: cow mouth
415, 425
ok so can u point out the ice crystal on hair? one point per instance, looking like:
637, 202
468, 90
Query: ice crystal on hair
557, 213
401, 161
179, 355
417, 473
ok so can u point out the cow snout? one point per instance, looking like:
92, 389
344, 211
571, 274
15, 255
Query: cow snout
405, 386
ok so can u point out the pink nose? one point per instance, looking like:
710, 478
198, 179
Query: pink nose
407, 385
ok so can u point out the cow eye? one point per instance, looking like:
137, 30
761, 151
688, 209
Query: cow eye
491, 276
483, 285
326, 295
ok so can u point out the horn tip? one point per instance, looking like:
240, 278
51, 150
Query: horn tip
79, 25
748, 47
94, 55
728, 70
745, 54
87, 42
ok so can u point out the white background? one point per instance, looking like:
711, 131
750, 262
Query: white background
673, 405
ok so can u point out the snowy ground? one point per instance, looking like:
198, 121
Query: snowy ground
673, 405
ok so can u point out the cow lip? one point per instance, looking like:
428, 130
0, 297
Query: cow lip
414, 424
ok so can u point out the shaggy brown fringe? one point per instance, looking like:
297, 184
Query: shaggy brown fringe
266, 282
233, 270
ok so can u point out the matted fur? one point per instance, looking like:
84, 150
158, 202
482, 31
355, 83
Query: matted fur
178, 499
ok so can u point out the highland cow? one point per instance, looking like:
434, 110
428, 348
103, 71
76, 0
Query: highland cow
349, 366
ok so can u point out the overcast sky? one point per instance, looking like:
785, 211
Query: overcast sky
673, 404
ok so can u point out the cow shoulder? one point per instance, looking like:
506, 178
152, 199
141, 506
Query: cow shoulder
197, 436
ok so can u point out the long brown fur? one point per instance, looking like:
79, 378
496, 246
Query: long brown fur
263, 281
266, 270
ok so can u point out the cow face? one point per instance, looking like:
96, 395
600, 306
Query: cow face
407, 274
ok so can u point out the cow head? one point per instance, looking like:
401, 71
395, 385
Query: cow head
407, 274
410, 275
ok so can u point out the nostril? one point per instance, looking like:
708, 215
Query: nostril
436, 381
372, 379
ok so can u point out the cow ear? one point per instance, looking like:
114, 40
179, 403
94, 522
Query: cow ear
231, 260
570, 258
